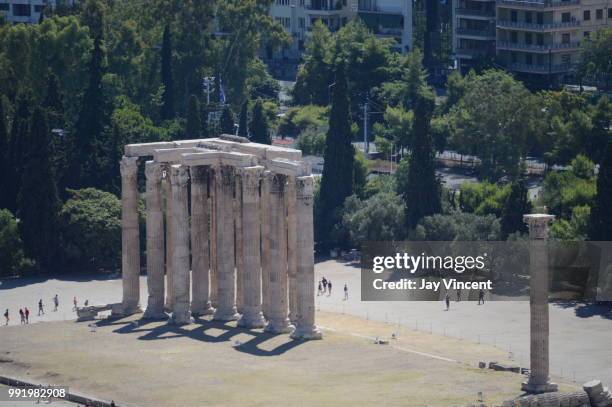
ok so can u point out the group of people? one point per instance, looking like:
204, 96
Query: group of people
447, 300
325, 286
24, 313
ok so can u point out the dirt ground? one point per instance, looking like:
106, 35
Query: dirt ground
212, 364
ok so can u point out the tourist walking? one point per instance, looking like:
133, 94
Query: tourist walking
74, 301
22, 316
481, 295
447, 299
324, 280
40, 308
329, 288
86, 303
27, 315
345, 292
6, 316
55, 302
320, 289
458, 294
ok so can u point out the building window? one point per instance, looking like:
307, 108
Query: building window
529, 59
513, 37
22, 10
599, 14
513, 16
586, 15
540, 18
282, 2
586, 34
540, 39
610, 12
528, 38
302, 22
38, 8
528, 18
513, 57
566, 17
4, 7
565, 38
566, 58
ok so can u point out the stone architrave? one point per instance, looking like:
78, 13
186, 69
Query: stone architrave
539, 379
181, 310
292, 247
155, 242
200, 255
305, 318
278, 320
226, 272
130, 237
252, 316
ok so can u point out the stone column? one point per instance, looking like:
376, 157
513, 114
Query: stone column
539, 380
169, 282
290, 207
155, 242
226, 272
265, 244
278, 321
238, 241
212, 205
305, 326
200, 256
181, 312
130, 239
252, 316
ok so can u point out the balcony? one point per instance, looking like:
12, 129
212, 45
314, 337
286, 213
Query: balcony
475, 13
479, 34
538, 5
555, 47
324, 9
541, 69
469, 53
523, 26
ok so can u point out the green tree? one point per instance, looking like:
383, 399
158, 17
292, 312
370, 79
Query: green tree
378, 218
337, 181
562, 191
193, 123
243, 120
595, 61
514, 208
226, 122
38, 202
457, 226
600, 224
259, 125
16, 150
422, 189
167, 110
601, 130
12, 258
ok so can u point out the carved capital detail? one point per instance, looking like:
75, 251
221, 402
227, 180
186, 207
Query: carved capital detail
153, 171
179, 175
251, 178
129, 167
538, 225
199, 174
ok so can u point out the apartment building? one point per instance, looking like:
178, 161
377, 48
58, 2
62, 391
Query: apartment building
473, 32
386, 18
539, 40
23, 11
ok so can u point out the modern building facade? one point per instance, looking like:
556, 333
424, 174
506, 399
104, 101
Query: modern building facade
23, 11
537, 39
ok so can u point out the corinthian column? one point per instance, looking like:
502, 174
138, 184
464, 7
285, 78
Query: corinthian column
226, 273
290, 207
305, 325
278, 322
239, 242
539, 380
265, 244
200, 258
169, 283
130, 240
252, 316
155, 242
181, 312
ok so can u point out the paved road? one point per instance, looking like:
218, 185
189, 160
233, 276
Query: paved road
581, 336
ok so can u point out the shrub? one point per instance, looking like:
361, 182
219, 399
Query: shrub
12, 259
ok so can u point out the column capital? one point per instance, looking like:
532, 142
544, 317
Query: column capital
199, 173
305, 187
538, 225
179, 175
251, 177
154, 171
128, 167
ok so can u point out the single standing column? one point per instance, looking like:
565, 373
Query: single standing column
265, 244
200, 258
539, 380
155, 242
278, 321
290, 207
212, 193
305, 326
238, 241
252, 316
226, 272
181, 312
169, 282
130, 239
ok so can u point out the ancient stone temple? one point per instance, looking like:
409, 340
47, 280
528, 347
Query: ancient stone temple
229, 232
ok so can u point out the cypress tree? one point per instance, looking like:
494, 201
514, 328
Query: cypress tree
337, 182
226, 122
17, 143
167, 109
3, 158
259, 125
85, 168
204, 121
422, 191
193, 124
243, 130
600, 222
216, 96
517, 204
38, 203
53, 103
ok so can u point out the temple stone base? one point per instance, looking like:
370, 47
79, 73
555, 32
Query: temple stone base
119, 311
279, 327
306, 334
183, 319
154, 315
251, 319
539, 388
225, 316
207, 310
